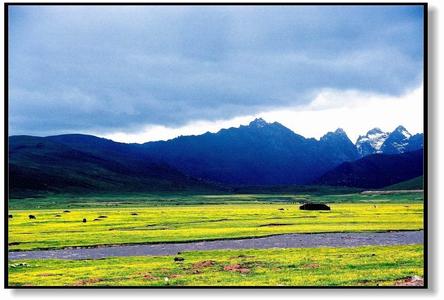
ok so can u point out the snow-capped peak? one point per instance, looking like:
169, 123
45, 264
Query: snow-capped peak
397, 141
401, 129
340, 131
375, 130
258, 122
371, 142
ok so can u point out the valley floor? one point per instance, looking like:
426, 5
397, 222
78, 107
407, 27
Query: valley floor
58, 228
294, 240
357, 266
126, 221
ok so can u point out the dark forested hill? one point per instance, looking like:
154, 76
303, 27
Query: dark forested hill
45, 164
375, 171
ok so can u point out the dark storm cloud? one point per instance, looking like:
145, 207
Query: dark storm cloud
101, 69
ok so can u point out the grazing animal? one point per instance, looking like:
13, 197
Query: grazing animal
58, 216
84, 220
134, 214
280, 209
179, 259
10, 216
31, 217
102, 217
66, 211
314, 206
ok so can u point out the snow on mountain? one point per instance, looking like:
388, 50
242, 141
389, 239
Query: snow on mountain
258, 123
371, 142
403, 131
397, 141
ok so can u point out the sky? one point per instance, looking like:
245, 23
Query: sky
144, 73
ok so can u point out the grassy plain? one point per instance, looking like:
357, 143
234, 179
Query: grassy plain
366, 266
54, 228
127, 219
324, 195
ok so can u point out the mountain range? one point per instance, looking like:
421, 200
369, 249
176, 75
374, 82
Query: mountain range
396, 142
257, 154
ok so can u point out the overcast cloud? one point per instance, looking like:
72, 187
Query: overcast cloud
120, 69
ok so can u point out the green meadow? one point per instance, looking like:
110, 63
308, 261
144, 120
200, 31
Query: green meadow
56, 228
358, 266
138, 219
321, 195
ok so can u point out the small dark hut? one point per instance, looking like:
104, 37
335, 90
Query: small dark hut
314, 206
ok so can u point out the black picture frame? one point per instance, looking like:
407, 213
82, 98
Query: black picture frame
425, 130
